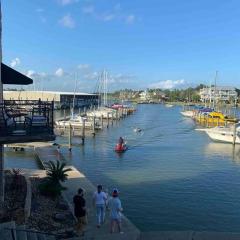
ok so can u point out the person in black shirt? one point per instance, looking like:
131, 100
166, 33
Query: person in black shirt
80, 210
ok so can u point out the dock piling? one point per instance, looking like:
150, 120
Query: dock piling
83, 132
64, 114
234, 133
94, 123
107, 119
102, 121
70, 138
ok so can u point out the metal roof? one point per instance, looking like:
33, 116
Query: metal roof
59, 93
11, 76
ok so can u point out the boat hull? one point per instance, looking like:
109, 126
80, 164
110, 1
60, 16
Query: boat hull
187, 113
223, 135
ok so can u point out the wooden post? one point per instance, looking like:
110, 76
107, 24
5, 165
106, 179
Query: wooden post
83, 132
70, 138
64, 114
102, 121
234, 133
117, 115
107, 119
112, 117
94, 121
79, 111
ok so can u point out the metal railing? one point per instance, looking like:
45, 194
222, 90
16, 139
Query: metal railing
26, 116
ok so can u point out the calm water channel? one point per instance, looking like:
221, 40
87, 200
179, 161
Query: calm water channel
171, 178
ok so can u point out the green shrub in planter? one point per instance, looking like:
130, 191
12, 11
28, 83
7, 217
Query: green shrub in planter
50, 189
56, 174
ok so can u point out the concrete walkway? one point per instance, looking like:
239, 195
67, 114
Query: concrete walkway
77, 180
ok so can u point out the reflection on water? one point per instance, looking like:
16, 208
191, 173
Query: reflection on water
171, 177
226, 150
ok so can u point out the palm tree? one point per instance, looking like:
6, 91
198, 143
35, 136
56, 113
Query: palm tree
56, 172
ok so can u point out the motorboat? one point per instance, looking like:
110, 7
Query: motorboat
216, 118
225, 134
169, 105
188, 113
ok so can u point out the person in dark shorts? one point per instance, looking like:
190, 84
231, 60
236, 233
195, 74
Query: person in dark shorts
80, 210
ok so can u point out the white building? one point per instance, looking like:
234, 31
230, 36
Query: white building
218, 93
144, 96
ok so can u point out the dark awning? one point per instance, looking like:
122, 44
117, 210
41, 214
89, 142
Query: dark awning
11, 76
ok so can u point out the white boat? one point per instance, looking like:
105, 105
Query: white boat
169, 105
224, 134
103, 112
188, 113
77, 122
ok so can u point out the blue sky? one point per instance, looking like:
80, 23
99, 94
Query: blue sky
154, 43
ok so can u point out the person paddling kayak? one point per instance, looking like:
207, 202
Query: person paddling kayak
120, 147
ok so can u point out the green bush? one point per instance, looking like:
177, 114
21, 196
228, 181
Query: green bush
56, 174
56, 171
50, 189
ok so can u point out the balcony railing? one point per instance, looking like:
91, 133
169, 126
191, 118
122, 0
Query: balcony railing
26, 121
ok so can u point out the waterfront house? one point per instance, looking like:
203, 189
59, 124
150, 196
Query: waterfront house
145, 96
218, 94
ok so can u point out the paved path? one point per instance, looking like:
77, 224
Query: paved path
76, 180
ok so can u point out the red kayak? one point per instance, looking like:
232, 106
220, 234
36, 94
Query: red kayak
120, 148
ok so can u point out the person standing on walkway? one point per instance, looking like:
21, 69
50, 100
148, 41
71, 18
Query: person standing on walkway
99, 201
80, 210
115, 208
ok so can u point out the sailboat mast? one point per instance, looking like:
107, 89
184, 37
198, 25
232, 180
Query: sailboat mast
74, 96
215, 90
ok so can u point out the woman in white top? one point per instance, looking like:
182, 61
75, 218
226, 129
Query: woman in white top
99, 200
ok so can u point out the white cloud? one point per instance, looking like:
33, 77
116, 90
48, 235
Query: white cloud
59, 72
88, 9
67, 2
108, 17
130, 19
30, 73
67, 21
91, 75
83, 66
169, 84
15, 62
121, 78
